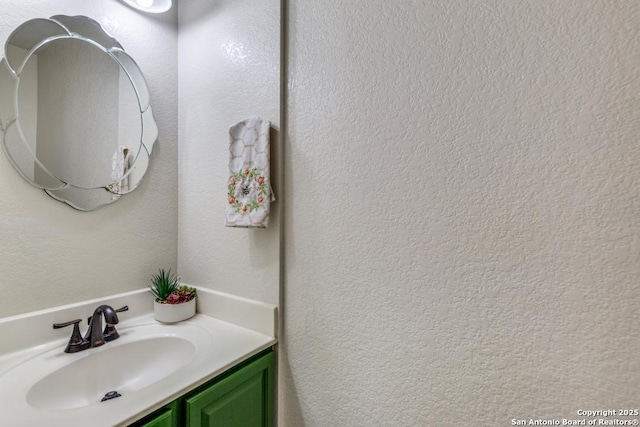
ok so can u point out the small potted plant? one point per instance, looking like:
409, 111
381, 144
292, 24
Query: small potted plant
174, 302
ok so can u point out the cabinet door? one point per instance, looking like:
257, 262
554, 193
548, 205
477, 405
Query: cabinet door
165, 417
163, 420
243, 399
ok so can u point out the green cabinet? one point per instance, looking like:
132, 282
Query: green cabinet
168, 416
163, 419
241, 397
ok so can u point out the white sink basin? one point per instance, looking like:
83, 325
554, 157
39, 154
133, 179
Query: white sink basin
124, 369
142, 356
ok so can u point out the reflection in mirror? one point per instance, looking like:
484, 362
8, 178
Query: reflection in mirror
77, 141
74, 113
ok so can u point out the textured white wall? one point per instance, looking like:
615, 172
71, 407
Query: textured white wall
463, 216
52, 254
229, 70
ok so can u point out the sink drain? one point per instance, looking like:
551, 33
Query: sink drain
110, 395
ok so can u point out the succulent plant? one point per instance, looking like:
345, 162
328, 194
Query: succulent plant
182, 294
166, 288
163, 284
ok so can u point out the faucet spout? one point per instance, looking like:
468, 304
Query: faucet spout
94, 334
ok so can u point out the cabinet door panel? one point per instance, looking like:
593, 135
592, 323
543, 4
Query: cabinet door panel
164, 419
243, 399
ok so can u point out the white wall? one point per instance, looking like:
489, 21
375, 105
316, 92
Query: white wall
52, 254
462, 212
229, 70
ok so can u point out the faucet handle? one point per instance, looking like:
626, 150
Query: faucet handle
110, 333
76, 342
65, 324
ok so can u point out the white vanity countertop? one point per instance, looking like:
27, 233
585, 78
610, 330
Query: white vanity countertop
225, 344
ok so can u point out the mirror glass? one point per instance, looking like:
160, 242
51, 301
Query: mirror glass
74, 111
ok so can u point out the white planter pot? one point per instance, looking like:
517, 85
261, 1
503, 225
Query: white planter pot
171, 313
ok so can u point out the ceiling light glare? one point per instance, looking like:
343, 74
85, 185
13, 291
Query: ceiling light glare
150, 6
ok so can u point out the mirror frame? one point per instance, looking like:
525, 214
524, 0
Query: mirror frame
13, 141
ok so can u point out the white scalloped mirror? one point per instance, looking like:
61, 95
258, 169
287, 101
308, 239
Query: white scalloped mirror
75, 115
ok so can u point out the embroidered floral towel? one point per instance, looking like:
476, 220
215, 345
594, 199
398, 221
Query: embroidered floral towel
249, 192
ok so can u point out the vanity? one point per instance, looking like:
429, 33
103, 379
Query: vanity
215, 369
242, 396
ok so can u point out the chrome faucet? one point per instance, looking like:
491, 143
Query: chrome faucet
95, 336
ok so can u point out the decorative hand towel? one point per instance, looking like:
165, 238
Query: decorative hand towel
249, 191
